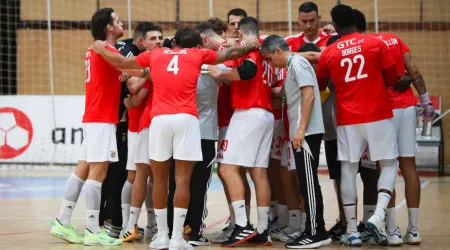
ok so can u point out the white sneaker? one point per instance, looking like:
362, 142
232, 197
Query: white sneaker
395, 238
224, 236
352, 240
275, 232
292, 236
179, 244
378, 228
412, 238
160, 241
150, 232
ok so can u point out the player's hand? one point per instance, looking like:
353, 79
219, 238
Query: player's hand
98, 46
329, 29
127, 102
403, 84
298, 139
212, 71
229, 43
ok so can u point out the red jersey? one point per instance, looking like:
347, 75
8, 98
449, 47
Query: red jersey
103, 86
296, 41
253, 93
145, 120
277, 113
355, 63
174, 73
224, 110
398, 48
135, 114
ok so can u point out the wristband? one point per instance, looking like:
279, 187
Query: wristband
425, 99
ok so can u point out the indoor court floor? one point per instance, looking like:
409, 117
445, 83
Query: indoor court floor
29, 201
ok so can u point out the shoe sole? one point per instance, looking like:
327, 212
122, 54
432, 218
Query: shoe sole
380, 239
241, 241
99, 244
132, 238
352, 245
62, 237
396, 244
198, 243
315, 245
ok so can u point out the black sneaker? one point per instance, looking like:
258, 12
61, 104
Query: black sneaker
307, 241
337, 230
198, 240
240, 235
364, 232
261, 239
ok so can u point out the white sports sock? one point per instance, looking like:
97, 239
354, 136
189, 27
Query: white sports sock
125, 215
93, 198
369, 210
382, 203
283, 215
263, 219
134, 217
240, 213
232, 216
391, 219
247, 212
179, 216
161, 221
413, 215
273, 212
350, 215
151, 220
126, 200
303, 225
72, 191
295, 219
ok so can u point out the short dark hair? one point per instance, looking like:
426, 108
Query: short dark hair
203, 27
167, 43
249, 25
139, 31
272, 42
178, 34
152, 28
100, 21
190, 38
342, 16
360, 20
308, 7
236, 12
309, 47
332, 39
217, 25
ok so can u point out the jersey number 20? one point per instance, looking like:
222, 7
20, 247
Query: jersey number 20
173, 65
359, 75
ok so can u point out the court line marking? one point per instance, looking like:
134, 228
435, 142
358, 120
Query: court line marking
403, 202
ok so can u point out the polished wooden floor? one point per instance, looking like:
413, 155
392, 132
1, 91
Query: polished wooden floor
30, 201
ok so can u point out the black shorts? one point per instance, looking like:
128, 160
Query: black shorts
334, 166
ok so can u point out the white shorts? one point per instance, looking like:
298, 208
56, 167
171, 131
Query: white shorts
277, 140
133, 138
366, 162
405, 128
176, 135
99, 143
141, 155
378, 136
249, 138
287, 156
222, 145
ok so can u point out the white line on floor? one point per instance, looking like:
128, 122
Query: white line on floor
403, 202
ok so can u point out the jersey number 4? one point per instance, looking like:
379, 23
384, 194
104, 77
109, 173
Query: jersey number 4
173, 65
350, 63
87, 77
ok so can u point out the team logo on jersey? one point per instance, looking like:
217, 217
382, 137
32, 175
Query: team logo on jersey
16, 132
113, 154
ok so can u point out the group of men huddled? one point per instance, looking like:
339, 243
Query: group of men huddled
269, 102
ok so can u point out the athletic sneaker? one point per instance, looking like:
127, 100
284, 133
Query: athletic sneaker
261, 239
272, 222
179, 244
276, 230
224, 236
285, 232
364, 232
66, 233
292, 237
240, 235
352, 240
198, 240
378, 228
395, 238
150, 232
412, 238
101, 238
307, 241
113, 231
130, 234
160, 241
337, 230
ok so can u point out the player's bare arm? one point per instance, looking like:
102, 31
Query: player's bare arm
235, 52
307, 107
246, 71
132, 101
119, 61
277, 93
413, 70
312, 57
135, 84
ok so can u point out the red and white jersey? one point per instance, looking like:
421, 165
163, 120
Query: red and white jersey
174, 73
355, 63
135, 114
296, 41
224, 109
398, 48
103, 86
253, 93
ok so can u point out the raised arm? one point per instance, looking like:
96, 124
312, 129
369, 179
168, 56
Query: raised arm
312, 57
235, 52
117, 60
413, 70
